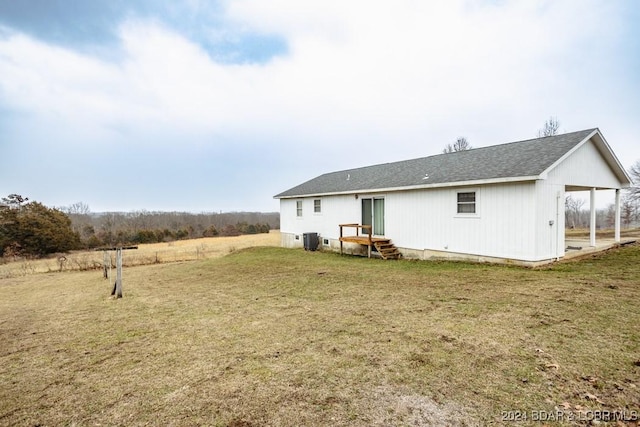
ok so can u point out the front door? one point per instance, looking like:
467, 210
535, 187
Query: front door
373, 214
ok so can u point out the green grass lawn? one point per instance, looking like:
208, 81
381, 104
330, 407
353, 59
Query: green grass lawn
270, 336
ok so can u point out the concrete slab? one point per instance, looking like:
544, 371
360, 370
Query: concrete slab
575, 248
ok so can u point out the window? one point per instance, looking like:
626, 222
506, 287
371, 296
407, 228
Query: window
317, 206
467, 202
299, 208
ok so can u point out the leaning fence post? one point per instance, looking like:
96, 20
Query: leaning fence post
117, 285
105, 258
119, 273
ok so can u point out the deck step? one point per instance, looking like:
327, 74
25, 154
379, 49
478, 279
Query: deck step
387, 250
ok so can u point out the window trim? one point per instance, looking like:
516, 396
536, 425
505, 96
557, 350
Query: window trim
317, 207
299, 211
476, 203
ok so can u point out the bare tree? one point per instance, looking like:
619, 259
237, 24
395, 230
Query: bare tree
634, 190
461, 144
610, 215
573, 208
628, 211
78, 208
550, 128
79, 215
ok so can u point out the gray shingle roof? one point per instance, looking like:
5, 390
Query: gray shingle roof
512, 160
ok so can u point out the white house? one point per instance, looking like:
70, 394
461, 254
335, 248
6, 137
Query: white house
497, 203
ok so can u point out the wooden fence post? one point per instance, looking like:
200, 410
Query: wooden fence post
117, 285
119, 273
105, 258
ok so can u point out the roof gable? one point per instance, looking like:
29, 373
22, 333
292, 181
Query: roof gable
607, 154
516, 161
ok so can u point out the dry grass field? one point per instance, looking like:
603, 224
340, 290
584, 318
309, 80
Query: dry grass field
277, 337
601, 233
155, 253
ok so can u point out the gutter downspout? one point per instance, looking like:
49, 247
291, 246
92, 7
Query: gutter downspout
617, 218
558, 200
592, 222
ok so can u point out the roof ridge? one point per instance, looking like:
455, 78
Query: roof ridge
525, 158
457, 152
517, 142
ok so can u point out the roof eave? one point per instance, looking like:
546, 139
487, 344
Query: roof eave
417, 187
606, 152
613, 161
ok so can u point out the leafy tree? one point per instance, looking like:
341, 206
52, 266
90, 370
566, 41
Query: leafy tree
182, 234
14, 201
230, 230
550, 128
88, 231
33, 229
461, 144
210, 231
93, 242
145, 236
164, 235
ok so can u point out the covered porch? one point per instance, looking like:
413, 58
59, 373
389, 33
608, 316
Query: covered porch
593, 240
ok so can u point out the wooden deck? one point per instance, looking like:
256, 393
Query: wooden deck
362, 240
383, 245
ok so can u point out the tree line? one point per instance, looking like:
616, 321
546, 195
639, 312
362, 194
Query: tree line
29, 228
142, 226
114, 228
578, 217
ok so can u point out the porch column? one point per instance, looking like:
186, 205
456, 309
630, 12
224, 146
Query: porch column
617, 216
592, 224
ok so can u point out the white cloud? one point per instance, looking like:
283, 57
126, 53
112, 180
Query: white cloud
365, 62
442, 63
361, 82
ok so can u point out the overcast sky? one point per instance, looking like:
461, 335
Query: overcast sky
219, 105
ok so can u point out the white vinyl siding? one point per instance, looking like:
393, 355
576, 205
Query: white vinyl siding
342, 209
549, 207
427, 220
585, 168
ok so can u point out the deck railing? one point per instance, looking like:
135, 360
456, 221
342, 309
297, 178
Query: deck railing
364, 228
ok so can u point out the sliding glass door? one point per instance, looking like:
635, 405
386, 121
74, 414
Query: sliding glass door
373, 214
